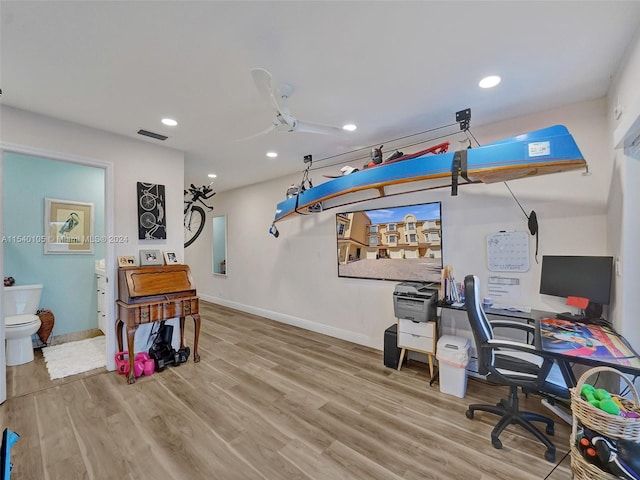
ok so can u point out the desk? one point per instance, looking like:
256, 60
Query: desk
590, 345
134, 315
565, 341
528, 316
154, 294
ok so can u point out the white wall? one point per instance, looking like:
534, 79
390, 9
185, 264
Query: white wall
126, 161
624, 204
294, 278
3, 357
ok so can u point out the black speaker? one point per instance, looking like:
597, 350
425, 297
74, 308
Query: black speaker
391, 350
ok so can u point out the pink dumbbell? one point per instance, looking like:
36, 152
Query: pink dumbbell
147, 363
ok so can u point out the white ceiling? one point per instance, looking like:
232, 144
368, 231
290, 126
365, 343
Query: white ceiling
393, 68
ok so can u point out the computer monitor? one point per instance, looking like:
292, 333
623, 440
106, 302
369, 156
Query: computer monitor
578, 276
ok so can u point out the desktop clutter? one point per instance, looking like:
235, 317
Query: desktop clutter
605, 441
451, 292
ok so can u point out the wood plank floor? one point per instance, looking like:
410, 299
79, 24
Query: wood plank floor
267, 401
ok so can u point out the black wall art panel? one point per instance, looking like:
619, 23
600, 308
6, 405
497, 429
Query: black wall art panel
152, 223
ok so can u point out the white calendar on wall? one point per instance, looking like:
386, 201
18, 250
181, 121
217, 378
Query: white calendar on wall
508, 252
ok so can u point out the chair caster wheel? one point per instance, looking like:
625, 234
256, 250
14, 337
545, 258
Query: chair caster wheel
469, 414
550, 430
496, 443
550, 456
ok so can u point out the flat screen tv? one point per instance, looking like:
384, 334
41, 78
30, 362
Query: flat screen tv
394, 243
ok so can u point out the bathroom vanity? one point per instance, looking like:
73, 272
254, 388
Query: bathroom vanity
101, 292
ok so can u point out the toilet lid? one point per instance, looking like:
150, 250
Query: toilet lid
19, 320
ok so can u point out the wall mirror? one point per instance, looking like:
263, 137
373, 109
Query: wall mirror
220, 245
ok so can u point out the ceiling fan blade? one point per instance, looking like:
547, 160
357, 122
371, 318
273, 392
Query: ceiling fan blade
262, 80
308, 127
284, 120
255, 135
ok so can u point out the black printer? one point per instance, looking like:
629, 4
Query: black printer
415, 301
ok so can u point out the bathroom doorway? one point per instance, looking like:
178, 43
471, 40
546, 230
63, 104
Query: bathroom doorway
28, 177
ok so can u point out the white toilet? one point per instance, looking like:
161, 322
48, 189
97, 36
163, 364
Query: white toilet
21, 303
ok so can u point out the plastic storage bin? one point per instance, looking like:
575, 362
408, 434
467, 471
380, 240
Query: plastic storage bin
453, 357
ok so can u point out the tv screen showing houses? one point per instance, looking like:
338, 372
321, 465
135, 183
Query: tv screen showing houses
394, 243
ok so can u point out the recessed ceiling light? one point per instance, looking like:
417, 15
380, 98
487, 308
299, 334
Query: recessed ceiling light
349, 127
212, 175
490, 81
272, 154
169, 122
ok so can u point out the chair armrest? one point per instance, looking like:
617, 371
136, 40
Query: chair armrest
528, 327
519, 357
511, 344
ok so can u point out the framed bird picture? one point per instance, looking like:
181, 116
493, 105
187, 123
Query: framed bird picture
68, 226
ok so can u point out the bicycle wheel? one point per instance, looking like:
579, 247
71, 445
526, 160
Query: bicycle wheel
193, 225
147, 220
148, 201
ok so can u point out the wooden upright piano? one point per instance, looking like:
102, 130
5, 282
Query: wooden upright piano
152, 294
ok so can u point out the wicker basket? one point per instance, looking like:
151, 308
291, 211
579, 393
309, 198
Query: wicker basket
583, 470
602, 422
47, 320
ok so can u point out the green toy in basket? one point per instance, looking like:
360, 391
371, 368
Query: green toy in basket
602, 399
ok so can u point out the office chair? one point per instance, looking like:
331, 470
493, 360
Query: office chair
514, 364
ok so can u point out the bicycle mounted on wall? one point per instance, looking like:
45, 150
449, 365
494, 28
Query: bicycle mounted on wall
194, 215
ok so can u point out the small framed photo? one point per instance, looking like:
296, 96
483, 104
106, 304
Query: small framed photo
151, 257
170, 258
127, 261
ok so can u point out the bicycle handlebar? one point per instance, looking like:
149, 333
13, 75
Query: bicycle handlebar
203, 192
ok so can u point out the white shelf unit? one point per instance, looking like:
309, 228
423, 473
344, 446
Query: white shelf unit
417, 337
101, 292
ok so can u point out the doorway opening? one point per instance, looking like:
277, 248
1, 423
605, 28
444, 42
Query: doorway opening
29, 177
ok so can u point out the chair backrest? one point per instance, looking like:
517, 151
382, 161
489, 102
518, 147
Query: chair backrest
482, 331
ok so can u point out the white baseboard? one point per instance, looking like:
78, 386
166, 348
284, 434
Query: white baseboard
347, 335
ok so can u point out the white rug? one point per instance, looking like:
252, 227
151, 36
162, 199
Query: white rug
75, 357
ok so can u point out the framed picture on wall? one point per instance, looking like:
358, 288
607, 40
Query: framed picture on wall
68, 226
151, 257
170, 257
152, 223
